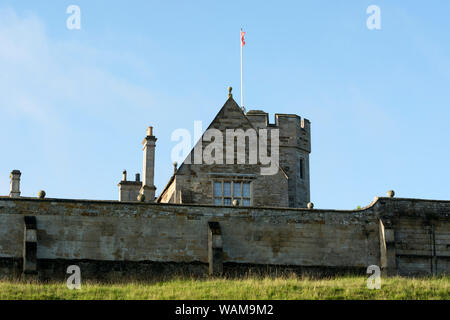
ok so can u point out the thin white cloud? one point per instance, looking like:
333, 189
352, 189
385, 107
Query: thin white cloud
45, 84
39, 76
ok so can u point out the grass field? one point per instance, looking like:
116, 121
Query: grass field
347, 287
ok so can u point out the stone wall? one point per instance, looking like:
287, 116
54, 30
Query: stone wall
420, 234
108, 235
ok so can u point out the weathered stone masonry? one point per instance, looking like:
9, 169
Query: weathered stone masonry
192, 183
405, 236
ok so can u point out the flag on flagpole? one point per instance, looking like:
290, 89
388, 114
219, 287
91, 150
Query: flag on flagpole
242, 38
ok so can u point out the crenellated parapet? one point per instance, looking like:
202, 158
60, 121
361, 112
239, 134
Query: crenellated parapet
294, 130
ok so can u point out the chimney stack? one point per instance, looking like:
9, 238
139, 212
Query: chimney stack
148, 188
15, 184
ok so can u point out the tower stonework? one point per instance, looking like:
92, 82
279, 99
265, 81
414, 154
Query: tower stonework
295, 147
275, 173
221, 183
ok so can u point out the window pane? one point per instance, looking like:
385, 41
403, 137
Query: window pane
227, 189
246, 189
237, 189
246, 203
218, 201
218, 188
227, 201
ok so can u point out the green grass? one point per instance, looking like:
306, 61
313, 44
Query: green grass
346, 287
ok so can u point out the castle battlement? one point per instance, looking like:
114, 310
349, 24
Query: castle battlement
294, 130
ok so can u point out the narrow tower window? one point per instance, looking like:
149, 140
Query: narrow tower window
302, 168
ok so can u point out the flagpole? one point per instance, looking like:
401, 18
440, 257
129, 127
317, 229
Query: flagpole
242, 73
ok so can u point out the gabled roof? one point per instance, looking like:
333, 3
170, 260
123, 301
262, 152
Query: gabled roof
229, 111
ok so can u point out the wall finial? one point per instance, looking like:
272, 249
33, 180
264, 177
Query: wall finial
229, 92
391, 193
41, 194
175, 166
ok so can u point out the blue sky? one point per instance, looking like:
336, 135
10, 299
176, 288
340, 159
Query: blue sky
75, 104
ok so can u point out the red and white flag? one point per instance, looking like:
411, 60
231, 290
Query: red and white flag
242, 38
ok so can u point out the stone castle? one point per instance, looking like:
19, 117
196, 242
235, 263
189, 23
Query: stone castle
221, 219
221, 184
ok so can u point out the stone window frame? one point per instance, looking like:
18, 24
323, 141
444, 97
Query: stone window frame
232, 196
